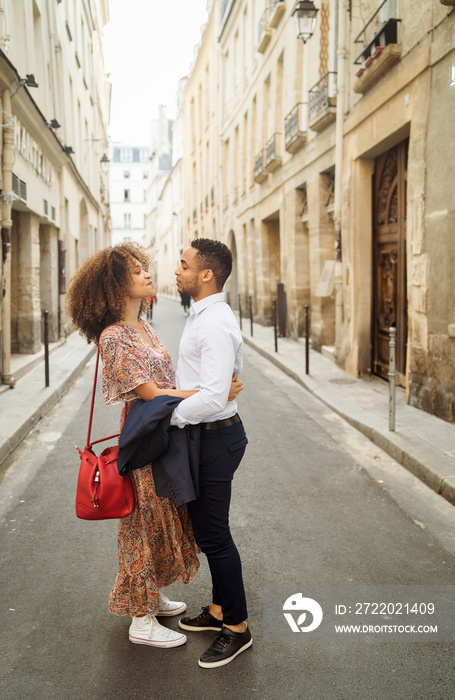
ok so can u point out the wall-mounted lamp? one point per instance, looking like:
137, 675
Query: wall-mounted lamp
105, 163
305, 15
54, 124
68, 150
29, 81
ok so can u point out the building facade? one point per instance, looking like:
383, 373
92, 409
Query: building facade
333, 168
201, 134
129, 178
168, 240
54, 196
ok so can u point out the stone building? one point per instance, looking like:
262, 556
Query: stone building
164, 198
54, 196
166, 245
332, 168
201, 145
129, 177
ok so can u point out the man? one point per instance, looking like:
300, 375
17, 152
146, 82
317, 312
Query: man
210, 353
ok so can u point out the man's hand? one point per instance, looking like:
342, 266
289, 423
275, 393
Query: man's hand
236, 388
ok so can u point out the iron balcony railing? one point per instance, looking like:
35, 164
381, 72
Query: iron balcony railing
294, 124
380, 30
272, 151
259, 169
262, 26
322, 95
259, 163
273, 4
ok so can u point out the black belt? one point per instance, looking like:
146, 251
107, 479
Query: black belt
221, 423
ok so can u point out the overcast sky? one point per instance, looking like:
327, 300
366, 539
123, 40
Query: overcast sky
148, 47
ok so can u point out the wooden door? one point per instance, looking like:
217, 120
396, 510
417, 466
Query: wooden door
389, 265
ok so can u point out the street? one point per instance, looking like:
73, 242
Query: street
314, 502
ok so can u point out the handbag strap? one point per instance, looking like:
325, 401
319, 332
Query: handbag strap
92, 405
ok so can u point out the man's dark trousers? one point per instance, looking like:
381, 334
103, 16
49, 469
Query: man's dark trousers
222, 449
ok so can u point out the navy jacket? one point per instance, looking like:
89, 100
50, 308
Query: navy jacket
147, 437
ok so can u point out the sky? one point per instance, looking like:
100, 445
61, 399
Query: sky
148, 47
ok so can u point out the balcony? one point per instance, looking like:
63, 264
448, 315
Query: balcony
380, 50
322, 102
273, 158
277, 10
264, 33
260, 173
295, 129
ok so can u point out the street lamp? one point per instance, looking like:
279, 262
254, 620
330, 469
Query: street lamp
305, 15
105, 162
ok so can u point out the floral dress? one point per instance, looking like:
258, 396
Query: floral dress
156, 545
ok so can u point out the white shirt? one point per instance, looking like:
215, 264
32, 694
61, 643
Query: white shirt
210, 352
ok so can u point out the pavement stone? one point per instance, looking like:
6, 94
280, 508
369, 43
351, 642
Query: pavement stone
422, 443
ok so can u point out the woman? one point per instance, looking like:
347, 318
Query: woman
105, 299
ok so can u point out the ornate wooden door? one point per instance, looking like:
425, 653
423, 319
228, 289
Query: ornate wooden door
389, 265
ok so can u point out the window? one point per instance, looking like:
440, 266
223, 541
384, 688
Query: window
126, 174
145, 174
126, 196
127, 220
126, 155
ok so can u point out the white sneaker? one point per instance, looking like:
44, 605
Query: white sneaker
170, 607
147, 630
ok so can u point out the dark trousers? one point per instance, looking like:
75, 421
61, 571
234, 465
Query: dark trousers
221, 452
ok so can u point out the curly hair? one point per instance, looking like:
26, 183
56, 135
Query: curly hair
97, 292
214, 256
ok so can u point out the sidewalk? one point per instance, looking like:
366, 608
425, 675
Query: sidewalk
22, 407
422, 443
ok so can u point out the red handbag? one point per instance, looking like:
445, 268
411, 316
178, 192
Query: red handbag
101, 492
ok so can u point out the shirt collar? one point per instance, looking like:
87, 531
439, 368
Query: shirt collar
202, 304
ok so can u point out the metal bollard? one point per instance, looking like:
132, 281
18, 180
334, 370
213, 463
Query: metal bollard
275, 324
307, 340
251, 315
392, 375
46, 347
240, 311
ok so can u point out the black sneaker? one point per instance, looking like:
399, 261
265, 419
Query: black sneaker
204, 621
225, 648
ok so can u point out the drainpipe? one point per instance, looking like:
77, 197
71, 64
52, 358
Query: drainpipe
342, 55
7, 198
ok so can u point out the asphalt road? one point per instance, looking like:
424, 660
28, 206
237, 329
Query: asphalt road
313, 503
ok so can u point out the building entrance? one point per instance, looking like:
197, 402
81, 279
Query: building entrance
389, 264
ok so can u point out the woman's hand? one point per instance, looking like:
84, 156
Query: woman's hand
236, 388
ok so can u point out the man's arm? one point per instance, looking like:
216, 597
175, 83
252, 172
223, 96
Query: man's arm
217, 352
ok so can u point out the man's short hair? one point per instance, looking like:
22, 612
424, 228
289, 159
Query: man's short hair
214, 255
